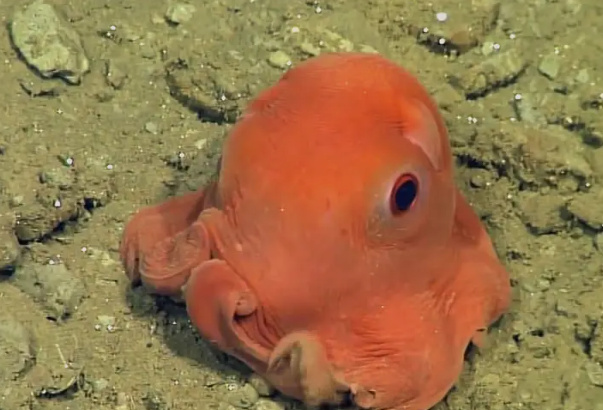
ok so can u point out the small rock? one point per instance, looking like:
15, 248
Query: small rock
39, 87
60, 177
154, 400
550, 154
100, 255
463, 40
595, 373
487, 48
266, 404
53, 286
122, 402
48, 44
336, 42
10, 252
243, 397
309, 49
587, 208
194, 88
106, 321
17, 349
38, 220
16, 201
457, 30
480, 178
114, 75
100, 385
549, 66
365, 48
593, 136
582, 76
541, 213
279, 59
179, 13
496, 71
148, 51
151, 128
201, 143
263, 388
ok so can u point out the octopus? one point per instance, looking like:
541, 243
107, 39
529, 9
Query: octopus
333, 254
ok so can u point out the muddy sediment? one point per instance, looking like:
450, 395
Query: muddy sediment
120, 106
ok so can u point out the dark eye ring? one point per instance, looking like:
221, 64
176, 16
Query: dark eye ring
404, 194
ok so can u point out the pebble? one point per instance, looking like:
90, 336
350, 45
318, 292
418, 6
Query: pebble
309, 49
480, 178
594, 137
263, 388
583, 76
541, 213
114, 75
53, 286
586, 208
10, 252
201, 143
266, 404
100, 385
595, 374
549, 66
487, 48
18, 351
151, 128
154, 400
243, 397
279, 59
498, 69
48, 43
105, 320
16, 201
365, 48
60, 177
179, 13
122, 401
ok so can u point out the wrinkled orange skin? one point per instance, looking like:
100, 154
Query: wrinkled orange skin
294, 260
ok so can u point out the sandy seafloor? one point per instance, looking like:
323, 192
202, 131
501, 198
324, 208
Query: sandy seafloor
519, 83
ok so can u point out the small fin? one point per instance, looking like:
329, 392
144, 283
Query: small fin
420, 127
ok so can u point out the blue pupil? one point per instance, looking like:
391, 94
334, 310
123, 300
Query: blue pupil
405, 195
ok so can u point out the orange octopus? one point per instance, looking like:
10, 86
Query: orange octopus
334, 254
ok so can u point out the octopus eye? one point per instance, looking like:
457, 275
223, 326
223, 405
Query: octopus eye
404, 194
